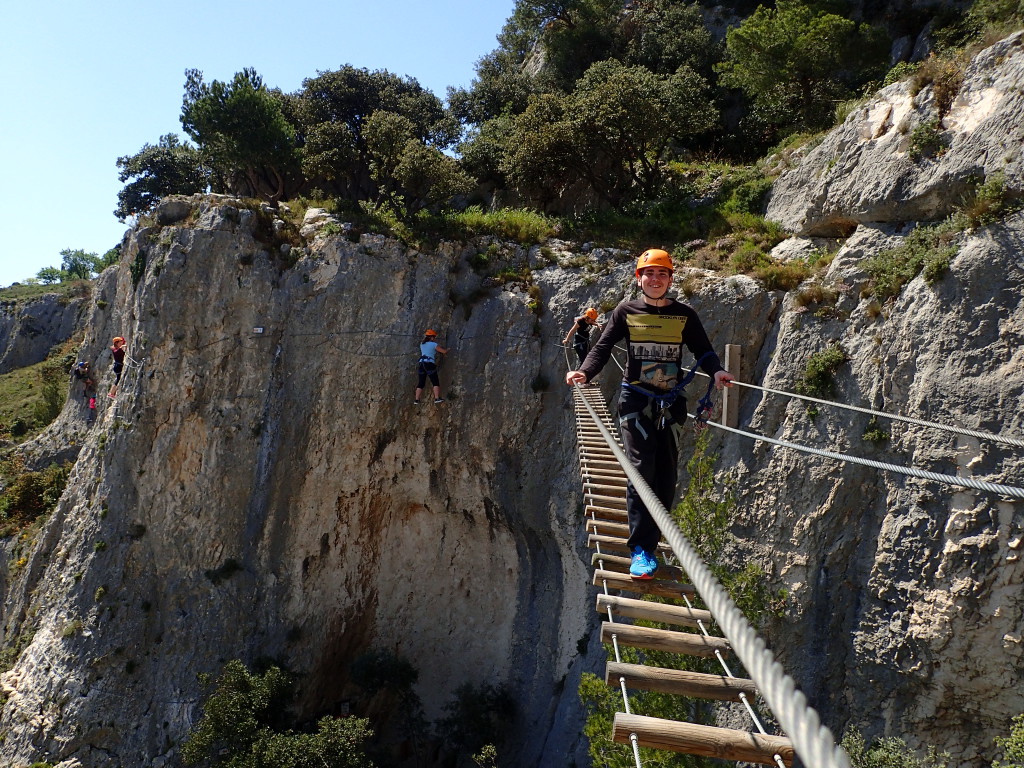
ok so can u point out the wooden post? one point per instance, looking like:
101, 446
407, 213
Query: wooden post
731, 395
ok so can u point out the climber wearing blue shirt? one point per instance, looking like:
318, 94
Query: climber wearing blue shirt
428, 365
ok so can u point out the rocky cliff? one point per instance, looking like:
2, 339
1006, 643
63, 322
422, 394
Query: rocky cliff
29, 329
908, 602
263, 486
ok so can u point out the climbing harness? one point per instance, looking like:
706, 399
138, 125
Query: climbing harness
660, 404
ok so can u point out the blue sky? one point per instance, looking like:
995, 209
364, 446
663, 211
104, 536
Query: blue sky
86, 83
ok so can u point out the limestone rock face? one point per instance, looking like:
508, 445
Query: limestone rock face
906, 596
29, 330
264, 487
864, 171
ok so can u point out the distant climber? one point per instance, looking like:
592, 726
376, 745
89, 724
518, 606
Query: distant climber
582, 328
652, 408
427, 367
117, 351
82, 372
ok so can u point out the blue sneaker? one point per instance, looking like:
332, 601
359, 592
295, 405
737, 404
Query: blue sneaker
643, 565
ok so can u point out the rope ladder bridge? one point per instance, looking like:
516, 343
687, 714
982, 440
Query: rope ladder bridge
605, 471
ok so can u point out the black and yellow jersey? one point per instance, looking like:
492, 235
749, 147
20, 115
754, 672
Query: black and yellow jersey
655, 337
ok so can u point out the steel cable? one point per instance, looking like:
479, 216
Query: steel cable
955, 480
981, 435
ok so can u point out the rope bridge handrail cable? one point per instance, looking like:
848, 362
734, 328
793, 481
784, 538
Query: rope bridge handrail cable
980, 434
954, 480
812, 740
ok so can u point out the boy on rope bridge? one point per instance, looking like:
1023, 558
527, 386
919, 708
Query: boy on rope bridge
428, 365
582, 328
652, 408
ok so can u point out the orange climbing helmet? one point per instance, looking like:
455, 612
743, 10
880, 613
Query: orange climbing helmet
654, 257
117, 339
590, 314
430, 333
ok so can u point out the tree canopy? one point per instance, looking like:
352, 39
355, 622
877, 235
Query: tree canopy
609, 136
796, 62
242, 132
153, 172
583, 105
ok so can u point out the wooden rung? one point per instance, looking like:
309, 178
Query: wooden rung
590, 480
599, 463
614, 491
621, 565
603, 557
605, 501
645, 609
607, 527
612, 543
597, 452
593, 452
687, 643
617, 479
623, 583
604, 478
605, 513
679, 682
618, 543
704, 740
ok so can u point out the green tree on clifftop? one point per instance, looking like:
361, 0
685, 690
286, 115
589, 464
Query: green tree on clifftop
332, 111
610, 135
795, 62
169, 168
78, 265
242, 132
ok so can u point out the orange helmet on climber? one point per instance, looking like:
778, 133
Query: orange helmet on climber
654, 257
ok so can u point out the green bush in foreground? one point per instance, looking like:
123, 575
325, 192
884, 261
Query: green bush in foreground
820, 374
244, 726
927, 251
1012, 746
890, 752
28, 495
519, 224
